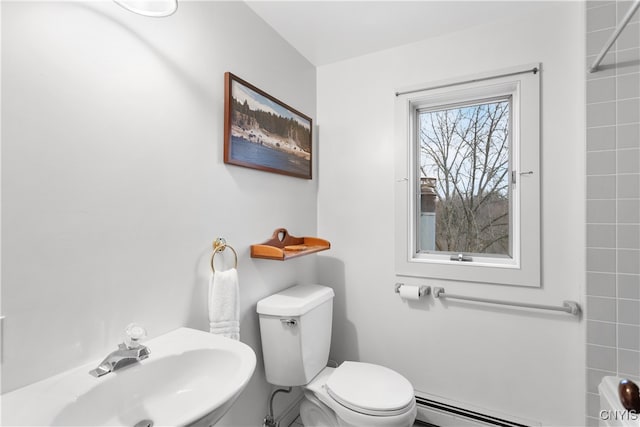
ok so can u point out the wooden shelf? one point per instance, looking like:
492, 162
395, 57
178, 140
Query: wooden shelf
283, 246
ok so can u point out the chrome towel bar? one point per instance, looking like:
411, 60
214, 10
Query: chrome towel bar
570, 307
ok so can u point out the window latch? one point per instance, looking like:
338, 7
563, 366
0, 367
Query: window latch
514, 174
461, 258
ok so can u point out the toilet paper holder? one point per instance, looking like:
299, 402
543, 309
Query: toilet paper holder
422, 290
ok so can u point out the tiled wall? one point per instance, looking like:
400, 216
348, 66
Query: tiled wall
613, 200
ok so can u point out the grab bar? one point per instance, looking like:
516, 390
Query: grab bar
570, 307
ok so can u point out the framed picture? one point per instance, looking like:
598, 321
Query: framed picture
261, 132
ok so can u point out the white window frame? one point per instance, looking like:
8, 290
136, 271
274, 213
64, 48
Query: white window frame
523, 268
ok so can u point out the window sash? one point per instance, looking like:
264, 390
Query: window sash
457, 100
511, 185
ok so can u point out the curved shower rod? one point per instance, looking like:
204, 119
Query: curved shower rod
634, 7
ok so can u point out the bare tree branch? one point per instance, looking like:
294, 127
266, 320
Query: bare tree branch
466, 150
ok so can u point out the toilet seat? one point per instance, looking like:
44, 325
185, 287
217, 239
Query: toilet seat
370, 389
317, 393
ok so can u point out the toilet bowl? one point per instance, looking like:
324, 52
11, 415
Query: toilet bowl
295, 328
356, 395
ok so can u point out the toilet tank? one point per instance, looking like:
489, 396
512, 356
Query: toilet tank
295, 328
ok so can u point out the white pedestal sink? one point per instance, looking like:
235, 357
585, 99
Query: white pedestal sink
190, 377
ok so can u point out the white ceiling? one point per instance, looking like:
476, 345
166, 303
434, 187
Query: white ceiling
329, 31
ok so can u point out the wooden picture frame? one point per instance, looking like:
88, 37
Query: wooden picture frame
261, 132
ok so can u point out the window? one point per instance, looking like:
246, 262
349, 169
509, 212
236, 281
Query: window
468, 205
464, 166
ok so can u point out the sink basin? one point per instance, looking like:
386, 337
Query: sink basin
191, 376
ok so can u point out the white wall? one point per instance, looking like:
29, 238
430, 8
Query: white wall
113, 183
520, 363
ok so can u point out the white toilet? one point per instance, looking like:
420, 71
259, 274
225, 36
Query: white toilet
295, 326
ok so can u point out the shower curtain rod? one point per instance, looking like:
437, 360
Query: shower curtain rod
614, 36
533, 70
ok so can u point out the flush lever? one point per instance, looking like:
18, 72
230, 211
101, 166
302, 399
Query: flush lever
289, 322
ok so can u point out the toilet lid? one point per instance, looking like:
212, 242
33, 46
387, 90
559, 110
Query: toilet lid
370, 389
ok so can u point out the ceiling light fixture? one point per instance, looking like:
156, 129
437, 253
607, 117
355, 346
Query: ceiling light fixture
152, 8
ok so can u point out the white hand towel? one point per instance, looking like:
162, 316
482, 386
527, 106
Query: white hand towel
224, 304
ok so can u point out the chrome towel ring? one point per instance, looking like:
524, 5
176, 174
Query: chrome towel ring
219, 245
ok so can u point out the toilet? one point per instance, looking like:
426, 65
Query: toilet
295, 327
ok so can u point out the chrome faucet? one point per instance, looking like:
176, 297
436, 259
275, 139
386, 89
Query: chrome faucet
128, 352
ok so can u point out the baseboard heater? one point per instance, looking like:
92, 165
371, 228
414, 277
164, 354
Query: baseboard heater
472, 417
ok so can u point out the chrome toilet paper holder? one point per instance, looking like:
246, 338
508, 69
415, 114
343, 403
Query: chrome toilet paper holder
422, 290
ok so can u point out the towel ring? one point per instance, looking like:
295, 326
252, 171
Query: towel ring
219, 245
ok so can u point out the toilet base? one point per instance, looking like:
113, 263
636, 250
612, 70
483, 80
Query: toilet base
314, 413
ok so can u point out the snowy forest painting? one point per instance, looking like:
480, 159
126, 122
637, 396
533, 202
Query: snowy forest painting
264, 133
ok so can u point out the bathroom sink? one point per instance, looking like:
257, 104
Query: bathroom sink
191, 376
